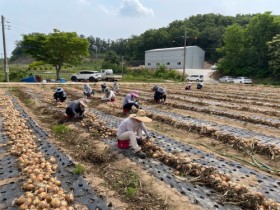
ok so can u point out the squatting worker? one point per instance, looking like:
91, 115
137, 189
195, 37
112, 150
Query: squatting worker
103, 86
130, 100
116, 87
199, 85
131, 126
109, 95
160, 94
88, 92
59, 95
76, 108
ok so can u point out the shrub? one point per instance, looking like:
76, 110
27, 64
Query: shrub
18, 75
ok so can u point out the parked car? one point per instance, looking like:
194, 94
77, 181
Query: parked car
197, 78
226, 79
243, 80
92, 76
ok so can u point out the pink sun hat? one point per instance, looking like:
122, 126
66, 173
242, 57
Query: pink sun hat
134, 93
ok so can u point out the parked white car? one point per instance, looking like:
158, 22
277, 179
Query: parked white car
197, 78
92, 76
226, 79
243, 80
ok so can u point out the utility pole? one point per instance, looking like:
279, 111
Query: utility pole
6, 68
184, 62
122, 65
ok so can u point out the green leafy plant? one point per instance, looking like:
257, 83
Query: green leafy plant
131, 192
79, 169
60, 129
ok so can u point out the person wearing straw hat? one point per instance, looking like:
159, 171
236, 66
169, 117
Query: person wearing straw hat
88, 92
130, 100
76, 108
131, 126
59, 95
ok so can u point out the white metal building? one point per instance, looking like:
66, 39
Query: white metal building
173, 58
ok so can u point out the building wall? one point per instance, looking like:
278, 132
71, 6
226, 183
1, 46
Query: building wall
173, 57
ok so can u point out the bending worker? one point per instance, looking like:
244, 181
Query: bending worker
160, 94
128, 128
199, 85
109, 95
116, 87
130, 100
88, 92
59, 95
76, 108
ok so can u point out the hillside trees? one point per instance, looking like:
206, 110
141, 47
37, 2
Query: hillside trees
245, 50
274, 55
233, 50
57, 48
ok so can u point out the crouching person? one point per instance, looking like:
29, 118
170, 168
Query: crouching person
109, 95
76, 109
88, 92
159, 94
188, 86
131, 126
199, 85
129, 101
59, 95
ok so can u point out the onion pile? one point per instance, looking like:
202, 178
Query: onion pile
212, 177
239, 143
92, 123
42, 190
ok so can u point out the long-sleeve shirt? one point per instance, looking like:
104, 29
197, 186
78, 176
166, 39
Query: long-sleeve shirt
115, 87
161, 90
88, 89
130, 124
108, 96
59, 95
128, 99
75, 107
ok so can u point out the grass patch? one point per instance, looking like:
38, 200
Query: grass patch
28, 101
79, 169
60, 129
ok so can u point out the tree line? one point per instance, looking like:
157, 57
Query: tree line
246, 45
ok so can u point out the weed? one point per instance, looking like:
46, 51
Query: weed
79, 169
60, 129
28, 101
131, 184
130, 192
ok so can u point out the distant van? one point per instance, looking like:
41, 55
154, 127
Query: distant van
195, 78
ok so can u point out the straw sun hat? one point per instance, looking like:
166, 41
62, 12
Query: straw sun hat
141, 116
83, 102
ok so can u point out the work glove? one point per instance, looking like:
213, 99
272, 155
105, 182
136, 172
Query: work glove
136, 105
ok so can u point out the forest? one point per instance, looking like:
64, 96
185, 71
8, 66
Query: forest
247, 44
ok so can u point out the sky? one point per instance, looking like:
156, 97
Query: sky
112, 19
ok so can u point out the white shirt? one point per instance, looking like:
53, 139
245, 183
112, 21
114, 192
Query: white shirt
108, 96
130, 124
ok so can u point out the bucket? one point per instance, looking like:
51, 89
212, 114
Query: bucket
123, 144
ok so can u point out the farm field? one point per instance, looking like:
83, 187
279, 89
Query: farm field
215, 148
